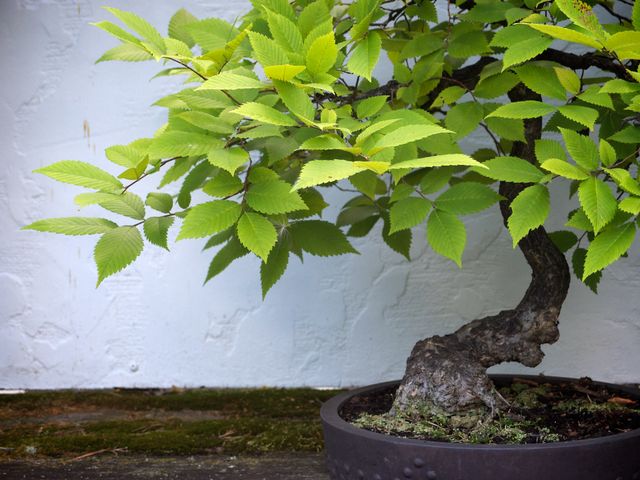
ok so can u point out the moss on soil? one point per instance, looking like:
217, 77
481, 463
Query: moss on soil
60, 423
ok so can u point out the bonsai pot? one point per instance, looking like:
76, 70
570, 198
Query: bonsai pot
355, 453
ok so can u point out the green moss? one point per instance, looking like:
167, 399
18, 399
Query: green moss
584, 405
244, 421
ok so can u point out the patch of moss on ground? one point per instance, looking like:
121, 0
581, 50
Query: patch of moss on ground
245, 421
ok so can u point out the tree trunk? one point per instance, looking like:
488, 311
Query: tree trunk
449, 373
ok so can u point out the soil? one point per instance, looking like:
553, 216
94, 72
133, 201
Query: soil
539, 412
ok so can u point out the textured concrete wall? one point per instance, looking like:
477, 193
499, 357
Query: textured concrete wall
342, 321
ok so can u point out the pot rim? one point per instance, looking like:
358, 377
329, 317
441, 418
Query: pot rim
329, 415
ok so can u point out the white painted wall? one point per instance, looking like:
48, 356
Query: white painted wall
342, 321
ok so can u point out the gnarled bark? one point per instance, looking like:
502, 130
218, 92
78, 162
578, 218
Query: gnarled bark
449, 373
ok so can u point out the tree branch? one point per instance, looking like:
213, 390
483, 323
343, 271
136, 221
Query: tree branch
585, 61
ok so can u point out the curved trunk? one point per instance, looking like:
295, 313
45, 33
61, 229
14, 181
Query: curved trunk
449, 373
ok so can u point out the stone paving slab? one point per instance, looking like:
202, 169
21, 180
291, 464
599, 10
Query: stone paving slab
287, 466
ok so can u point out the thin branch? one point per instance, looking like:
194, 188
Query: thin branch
146, 174
188, 67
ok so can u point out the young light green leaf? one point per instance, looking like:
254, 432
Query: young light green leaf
566, 34
119, 33
408, 213
579, 221
227, 254
285, 32
529, 210
284, 73
511, 169
156, 230
583, 115
598, 202
209, 218
116, 249
127, 204
322, 54
72, 225
231, 81
207, 121
541, 79
630, 205
222, 185
624, 180
182, 144
465, 198
177, 25
274, 267
81, 174
257, 234
327, 141
451, 159
447, 235
127, 52
407, 134
296, 100
142, 28
582, 15
370, 106
546, 149
162, 202
265, 114
229, 159
608, 155
365, 56
522, 110
318, 172
564, 169
267, 51
320, 238
274, 197
581, 148
608, 247
464, 118
525, 50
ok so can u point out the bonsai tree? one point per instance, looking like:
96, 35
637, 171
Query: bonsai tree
284, 104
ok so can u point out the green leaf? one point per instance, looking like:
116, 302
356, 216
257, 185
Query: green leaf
119, 33
274, 267
267, 51
630, 205
407, 134
624, 180
370, 106
608, 155
467, 197
116, 249
511, 169
284, 72
582, 15
365, 55
127, 52
635, 15
322, 54
207, 121
525, 50
318, 172
296, 100
581, 148
626, 45
315, 13
542, 80
181, 144
162, 202
546, 149
608, 247
598, 202
451, 159
177, 25
81, 174
563, 239
227, 254
408, 213
564, 169
464, 118
399, 241
583, 115
577, 260
222, 184
72, 225
628, 134
522, 110
264, 114
142, 28
327, 141
231, 81
285, 32
156, 229
566, 34
127, 203
447, 235
257, 234
320, 238
529, 210
468, 44
568, 79
229, 159
274, 197
579, 221
209, 218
